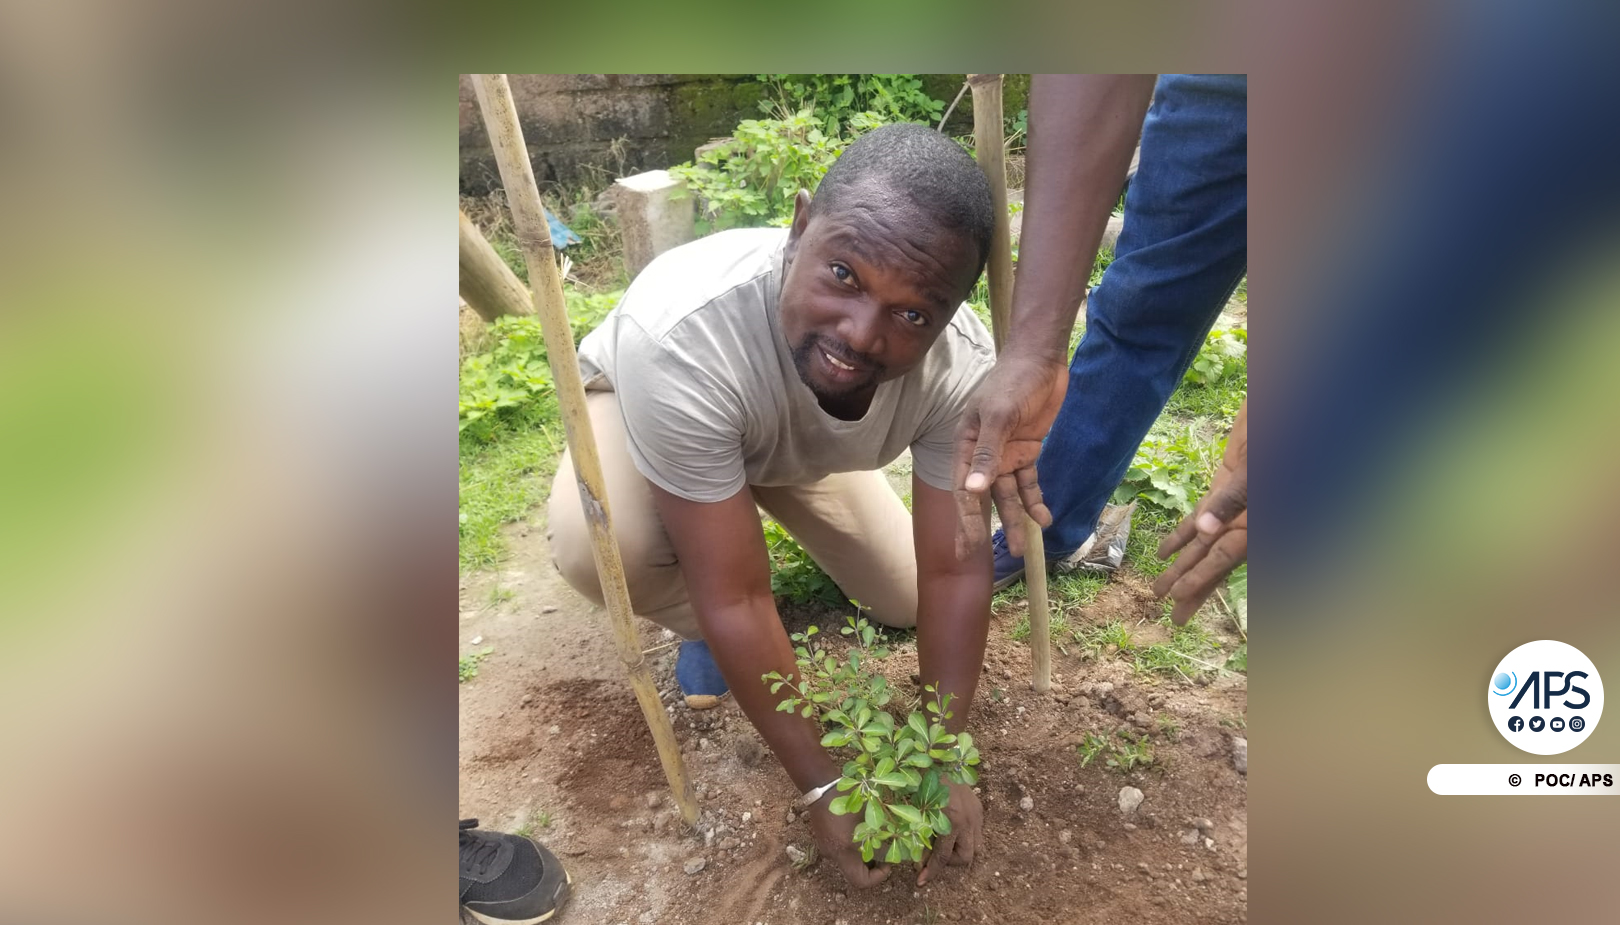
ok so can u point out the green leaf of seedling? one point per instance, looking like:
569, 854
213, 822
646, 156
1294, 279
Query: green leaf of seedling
919, 724
940, 822
785, 706
866, 852
874, 814
839, 806
807, 710
920, 760
885, 765
916, 852
893, 780
893, 857
908, 813
835, 739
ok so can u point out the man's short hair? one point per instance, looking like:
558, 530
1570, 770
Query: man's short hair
925, 167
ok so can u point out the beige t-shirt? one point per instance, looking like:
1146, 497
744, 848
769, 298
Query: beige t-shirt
710, 396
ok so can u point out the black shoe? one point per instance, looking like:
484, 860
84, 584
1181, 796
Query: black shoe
509, 879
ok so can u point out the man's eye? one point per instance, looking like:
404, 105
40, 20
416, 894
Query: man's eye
915, 317
841, 273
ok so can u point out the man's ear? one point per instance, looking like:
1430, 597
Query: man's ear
801, 220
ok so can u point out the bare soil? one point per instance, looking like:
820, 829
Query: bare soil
550, 732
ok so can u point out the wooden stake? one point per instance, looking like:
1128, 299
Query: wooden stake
988, 142
487, 283
517, 175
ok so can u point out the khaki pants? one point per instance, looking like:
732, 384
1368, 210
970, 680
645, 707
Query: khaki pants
851, 523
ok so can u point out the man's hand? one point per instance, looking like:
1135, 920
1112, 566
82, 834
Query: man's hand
997, 443
1214, 540
835, 840
957, 847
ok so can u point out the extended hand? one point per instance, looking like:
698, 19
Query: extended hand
1214, 540
958, 846
835, 840
997, 443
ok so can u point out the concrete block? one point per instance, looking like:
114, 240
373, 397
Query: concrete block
651, 218
1110, 237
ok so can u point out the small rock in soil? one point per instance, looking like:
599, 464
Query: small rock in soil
1129, 799
1204, 825
1065, 835
1142, 866
1240, 755
652, 801
695, 865
528, 698
1198, 875
1189, 837
556, 730
729, 843
477, 639
548, 609
747, 816
1026, 804
1209, 843
1102, 689
1129, 826
646, 918
795, 854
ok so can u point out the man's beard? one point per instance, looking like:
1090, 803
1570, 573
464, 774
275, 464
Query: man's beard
806, 351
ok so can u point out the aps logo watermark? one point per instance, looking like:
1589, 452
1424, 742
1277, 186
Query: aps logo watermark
1546, 697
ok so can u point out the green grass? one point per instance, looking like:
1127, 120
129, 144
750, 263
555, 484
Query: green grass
503, 478
469, 663
537, 821
1123, 751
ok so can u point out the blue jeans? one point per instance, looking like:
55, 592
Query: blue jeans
1181, 253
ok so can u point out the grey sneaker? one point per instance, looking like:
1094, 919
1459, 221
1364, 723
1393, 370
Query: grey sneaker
509, 879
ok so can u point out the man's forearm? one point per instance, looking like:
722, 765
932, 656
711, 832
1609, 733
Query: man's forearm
953, 618
1082, 130
748, 641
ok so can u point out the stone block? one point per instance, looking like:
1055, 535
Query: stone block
652, 218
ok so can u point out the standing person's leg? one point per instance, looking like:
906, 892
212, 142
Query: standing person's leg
859, 532
1182, 251
657, 588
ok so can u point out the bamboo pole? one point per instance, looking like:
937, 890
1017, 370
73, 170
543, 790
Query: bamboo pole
517, 175
988, 142
487, 283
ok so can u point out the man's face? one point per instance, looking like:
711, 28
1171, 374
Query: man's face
866, 292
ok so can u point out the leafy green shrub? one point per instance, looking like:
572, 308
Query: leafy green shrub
1171, 473
1224, 352
899, 774
751, 180
796, 576
838, 99
513, 374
